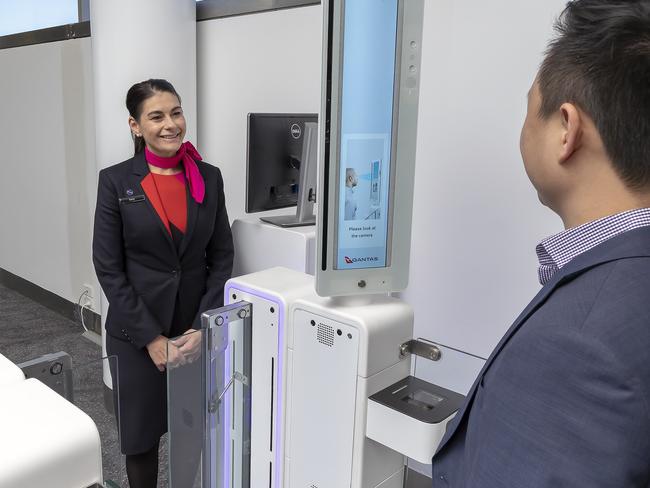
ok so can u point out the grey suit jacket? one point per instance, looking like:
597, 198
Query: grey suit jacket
564, 399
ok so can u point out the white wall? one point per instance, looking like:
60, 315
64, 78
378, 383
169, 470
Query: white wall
268, 62
476, 218
47, 184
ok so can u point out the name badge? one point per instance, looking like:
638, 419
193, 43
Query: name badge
132, 199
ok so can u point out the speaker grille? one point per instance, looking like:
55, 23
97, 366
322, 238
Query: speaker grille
325, 335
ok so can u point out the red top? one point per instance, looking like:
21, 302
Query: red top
167, 195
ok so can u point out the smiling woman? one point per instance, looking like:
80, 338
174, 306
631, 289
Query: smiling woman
155, 117
161, 125
162, 250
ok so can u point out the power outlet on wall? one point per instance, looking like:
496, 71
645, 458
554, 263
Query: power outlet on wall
88, 297
84, 309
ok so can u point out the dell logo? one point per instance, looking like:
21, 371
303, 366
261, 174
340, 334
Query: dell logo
296, 131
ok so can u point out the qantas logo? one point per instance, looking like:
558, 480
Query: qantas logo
360, 260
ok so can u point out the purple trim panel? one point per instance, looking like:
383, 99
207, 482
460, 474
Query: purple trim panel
280, 355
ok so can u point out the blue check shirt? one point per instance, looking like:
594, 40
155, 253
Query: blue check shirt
556, 251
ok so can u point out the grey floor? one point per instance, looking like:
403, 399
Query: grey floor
29, 330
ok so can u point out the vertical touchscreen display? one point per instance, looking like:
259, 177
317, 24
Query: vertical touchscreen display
366, 130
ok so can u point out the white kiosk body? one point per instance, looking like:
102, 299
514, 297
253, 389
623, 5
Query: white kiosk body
270, 292
315, 362
9, 372
292, 247
340, 353
45, 440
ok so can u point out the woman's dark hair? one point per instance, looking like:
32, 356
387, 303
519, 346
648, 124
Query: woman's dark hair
600, 61
137, 94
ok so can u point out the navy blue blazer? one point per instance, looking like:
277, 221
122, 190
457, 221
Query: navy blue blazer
564, 399
154, 288
138, 266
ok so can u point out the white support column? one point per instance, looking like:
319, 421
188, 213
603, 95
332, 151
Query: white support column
134, 40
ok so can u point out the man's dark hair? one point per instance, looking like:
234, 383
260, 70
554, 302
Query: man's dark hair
600, 61
136, 96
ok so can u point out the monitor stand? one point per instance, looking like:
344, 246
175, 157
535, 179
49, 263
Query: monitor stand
307, 186
289, 220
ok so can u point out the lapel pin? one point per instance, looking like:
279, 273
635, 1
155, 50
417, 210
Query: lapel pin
129, 192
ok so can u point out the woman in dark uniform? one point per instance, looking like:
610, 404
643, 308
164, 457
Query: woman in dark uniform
162, 250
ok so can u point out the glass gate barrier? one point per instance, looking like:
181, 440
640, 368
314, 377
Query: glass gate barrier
209, 401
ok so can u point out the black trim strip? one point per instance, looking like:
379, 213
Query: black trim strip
51, 34
328, 122
234, 387
50, 300
272, 398
217, 9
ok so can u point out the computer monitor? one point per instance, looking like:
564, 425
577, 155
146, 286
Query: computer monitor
281, 166
369, 106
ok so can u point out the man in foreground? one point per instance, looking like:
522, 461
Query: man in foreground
564, 399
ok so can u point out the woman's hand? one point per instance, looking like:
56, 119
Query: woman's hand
189, 344
158, 352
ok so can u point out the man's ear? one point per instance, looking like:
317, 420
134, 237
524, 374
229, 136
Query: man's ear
572, 127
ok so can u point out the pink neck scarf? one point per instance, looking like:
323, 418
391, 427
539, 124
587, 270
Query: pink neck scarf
188, 155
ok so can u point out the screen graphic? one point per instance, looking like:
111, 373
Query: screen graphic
369, 48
